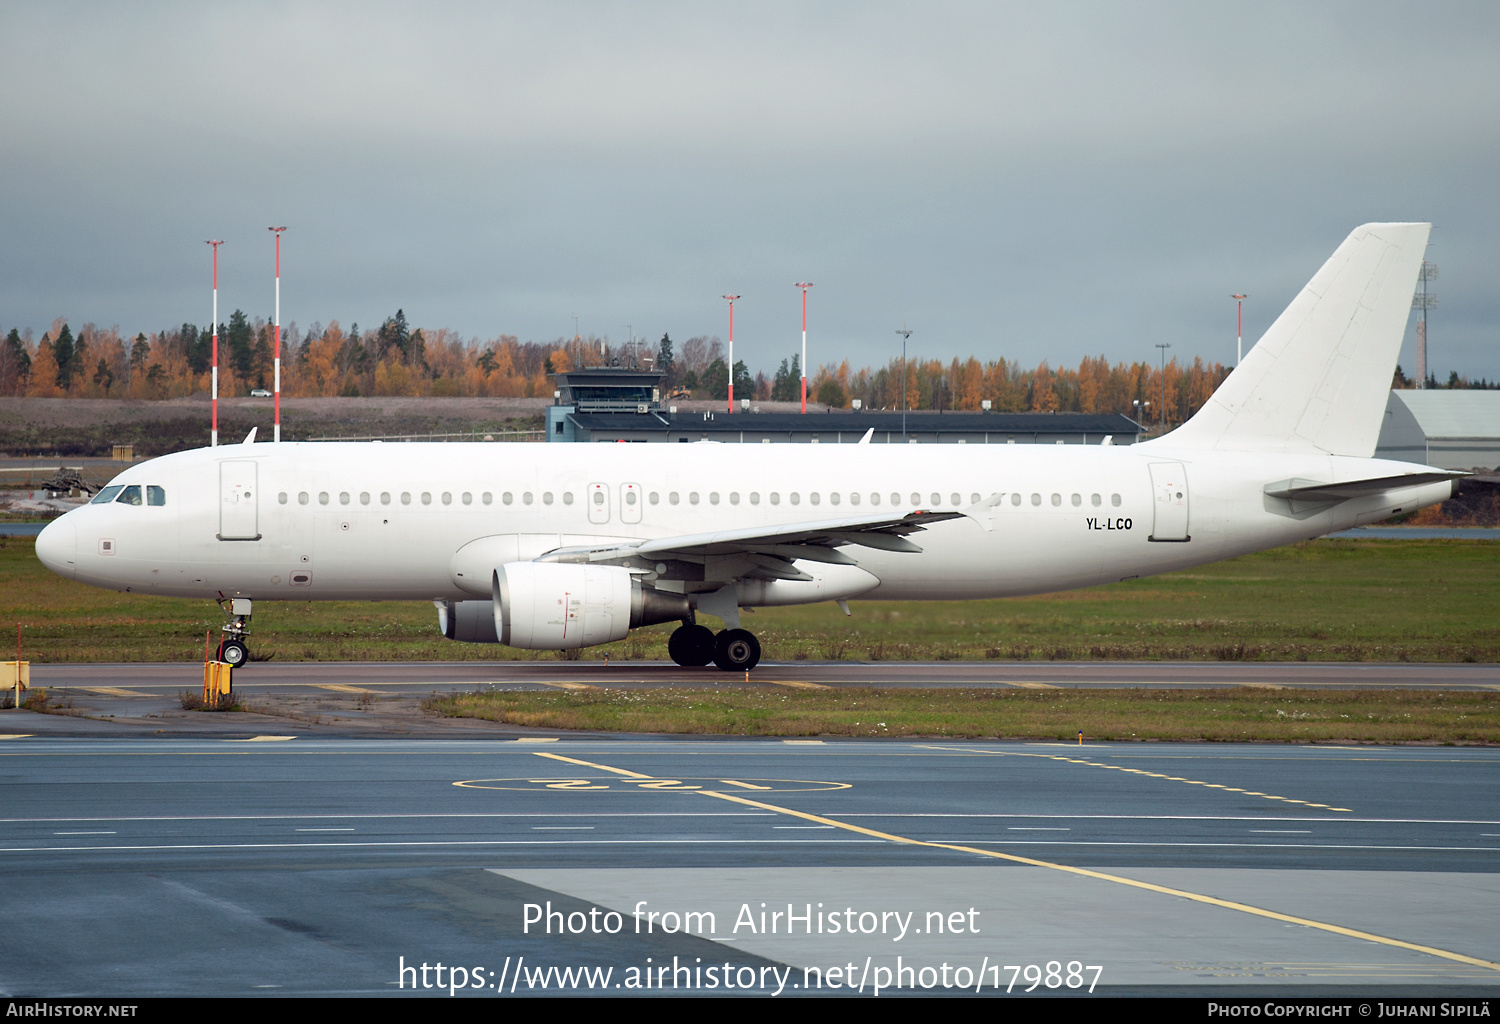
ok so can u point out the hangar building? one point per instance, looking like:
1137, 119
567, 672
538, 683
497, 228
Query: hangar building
1458, 429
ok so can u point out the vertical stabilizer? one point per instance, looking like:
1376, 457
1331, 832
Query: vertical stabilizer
1318, 379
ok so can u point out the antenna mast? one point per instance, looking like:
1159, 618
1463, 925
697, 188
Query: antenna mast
214, 430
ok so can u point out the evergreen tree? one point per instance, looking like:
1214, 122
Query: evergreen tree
62, 354
16, 363
744, 384
241, 351
664, 360
716, 380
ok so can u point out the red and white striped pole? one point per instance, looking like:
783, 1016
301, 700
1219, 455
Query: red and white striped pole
804, 285
214, 431
277, 332
731, 299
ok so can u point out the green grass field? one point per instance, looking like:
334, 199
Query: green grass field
1329, 600
1235, 715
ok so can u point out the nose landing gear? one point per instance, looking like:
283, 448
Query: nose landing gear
234, 648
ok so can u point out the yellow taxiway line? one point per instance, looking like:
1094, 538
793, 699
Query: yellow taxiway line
1166, 890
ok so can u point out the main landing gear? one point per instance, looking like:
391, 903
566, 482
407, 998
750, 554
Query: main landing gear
733, 650
234, 648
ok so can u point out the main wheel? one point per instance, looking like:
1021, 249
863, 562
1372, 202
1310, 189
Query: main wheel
736, 650
691, 646
234, 652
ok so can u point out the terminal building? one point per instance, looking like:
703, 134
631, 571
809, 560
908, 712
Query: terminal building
626, 405
1457, 429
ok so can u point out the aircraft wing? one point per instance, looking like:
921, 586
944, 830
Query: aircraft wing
767, 552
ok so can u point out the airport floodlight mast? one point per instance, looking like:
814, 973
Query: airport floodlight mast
1162, 410
804, 285
1424, 302
276, 350
731, 299
904, 335
214, 430
1239, 327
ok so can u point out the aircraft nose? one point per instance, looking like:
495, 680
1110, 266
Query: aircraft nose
57, 547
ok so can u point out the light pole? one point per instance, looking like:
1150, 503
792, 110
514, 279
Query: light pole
214, 429
1163, 345
276, 351
1239, 327
804, 285
904, 335
731, 299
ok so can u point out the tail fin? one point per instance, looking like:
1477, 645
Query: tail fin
1318, 379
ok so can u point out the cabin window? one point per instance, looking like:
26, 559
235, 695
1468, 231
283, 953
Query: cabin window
567, 497
775, 498
854, 498
280, 498
1036, 499
526, 498
364, 497
302, 498
713, 497
937, 499
406, 497
155, 495
973, 499
1114, 499
655, 498
755, 497
693, 498
734, 497
322, 497
487, 498
598, 497
916, 499
796, 498
343, 497
1077, 500
468, 498
427, 497
107, 495
674, 498
385, 497
1056, 500
1095, 500
958, 499
447, 497
833, 498
130, 495
874, 499
506, 497
1015, 499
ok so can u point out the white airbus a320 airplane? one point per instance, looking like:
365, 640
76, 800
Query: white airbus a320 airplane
550, 547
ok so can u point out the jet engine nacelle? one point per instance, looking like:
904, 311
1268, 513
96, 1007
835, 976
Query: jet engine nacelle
472, 622
553, 606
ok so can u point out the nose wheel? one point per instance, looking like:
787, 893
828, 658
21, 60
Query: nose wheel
234, 652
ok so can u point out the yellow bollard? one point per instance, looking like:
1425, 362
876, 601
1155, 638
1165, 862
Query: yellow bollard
16, 676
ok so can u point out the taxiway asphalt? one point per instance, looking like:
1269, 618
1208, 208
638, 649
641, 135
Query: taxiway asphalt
322, 866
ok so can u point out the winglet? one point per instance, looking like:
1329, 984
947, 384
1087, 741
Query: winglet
250, 437
973, 511
866, 439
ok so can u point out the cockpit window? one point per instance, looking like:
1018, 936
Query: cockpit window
130, 495
155, 495
107, 495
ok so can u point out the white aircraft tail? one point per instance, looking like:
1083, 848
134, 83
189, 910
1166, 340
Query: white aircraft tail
1318, 379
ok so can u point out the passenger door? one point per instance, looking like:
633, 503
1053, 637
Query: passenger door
1169, 491
239, 497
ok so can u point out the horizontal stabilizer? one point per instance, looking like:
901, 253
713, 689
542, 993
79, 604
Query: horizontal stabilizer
1313, 490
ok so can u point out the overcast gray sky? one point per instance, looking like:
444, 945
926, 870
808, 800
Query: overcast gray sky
1033, 181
